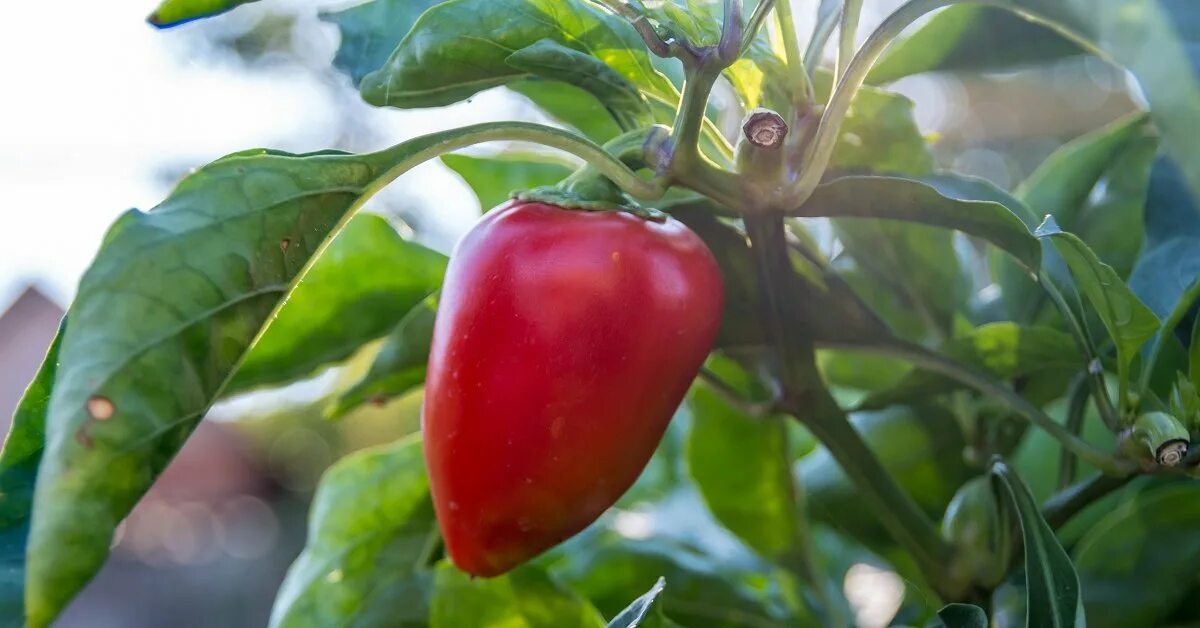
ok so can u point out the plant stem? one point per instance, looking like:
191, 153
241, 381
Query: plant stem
1084, 340
802, 89
1076, 409
851, 10
1066, 503
1166, 331
806, 398
984, 383
821, 149
754, 24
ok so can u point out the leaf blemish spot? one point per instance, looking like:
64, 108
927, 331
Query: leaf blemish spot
284, 244
100, 408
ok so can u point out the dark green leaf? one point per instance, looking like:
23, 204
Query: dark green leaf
400, 364
644, 612
963, 616
971, 38
1128, 321
915, 262
175, 12
550, 60
910, 200
1005, 349
366, 280
524, 598
1137, 563
1171, 260
741, 464
172, 303
1147, 37
460, 47
371, 533
921, 447
1051, 586
495, 178
371, 31
18, 473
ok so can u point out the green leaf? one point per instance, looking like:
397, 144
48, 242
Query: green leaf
879, 133
1171, 260
915, 262
1004, 349
495, 178
550, 60
963, 616
920, 446
371, 31
1145, 36
644, 612
400, 364
741, 464
1051, 586
366, 280
1062, 183
459, 48
1128, 321
971, 38
1094, 186
171, 305
175, 12
912, 200
524, 598
18, 474
371, 532
571, 106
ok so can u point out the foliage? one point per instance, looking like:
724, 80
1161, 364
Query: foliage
890, 331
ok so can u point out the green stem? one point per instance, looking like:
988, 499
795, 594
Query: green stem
754, 24
1076, 410
851, 10
1066, 503
822, 31
808, 400
802, 88
984, 383
1166, 331
821, 148
1083, 340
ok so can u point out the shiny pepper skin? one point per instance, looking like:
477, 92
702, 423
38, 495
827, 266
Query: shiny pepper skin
564, 342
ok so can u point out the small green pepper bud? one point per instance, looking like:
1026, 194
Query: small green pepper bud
1157, 438
973, 524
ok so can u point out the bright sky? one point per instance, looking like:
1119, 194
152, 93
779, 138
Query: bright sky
98, 106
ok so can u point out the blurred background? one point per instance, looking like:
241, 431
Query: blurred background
103, 112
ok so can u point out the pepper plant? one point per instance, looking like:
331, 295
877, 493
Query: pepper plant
963, 344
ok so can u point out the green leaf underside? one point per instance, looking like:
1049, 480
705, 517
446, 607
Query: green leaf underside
753, 498
367, 279
495, 178
371, 31
18, 473
371, 526
911, 200
523, 598
571, 106
175, 12
168, 309
1052, 587
400, 364
461, 47
550, 60
644, 612
971, 38
1005, 349
1128, 321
